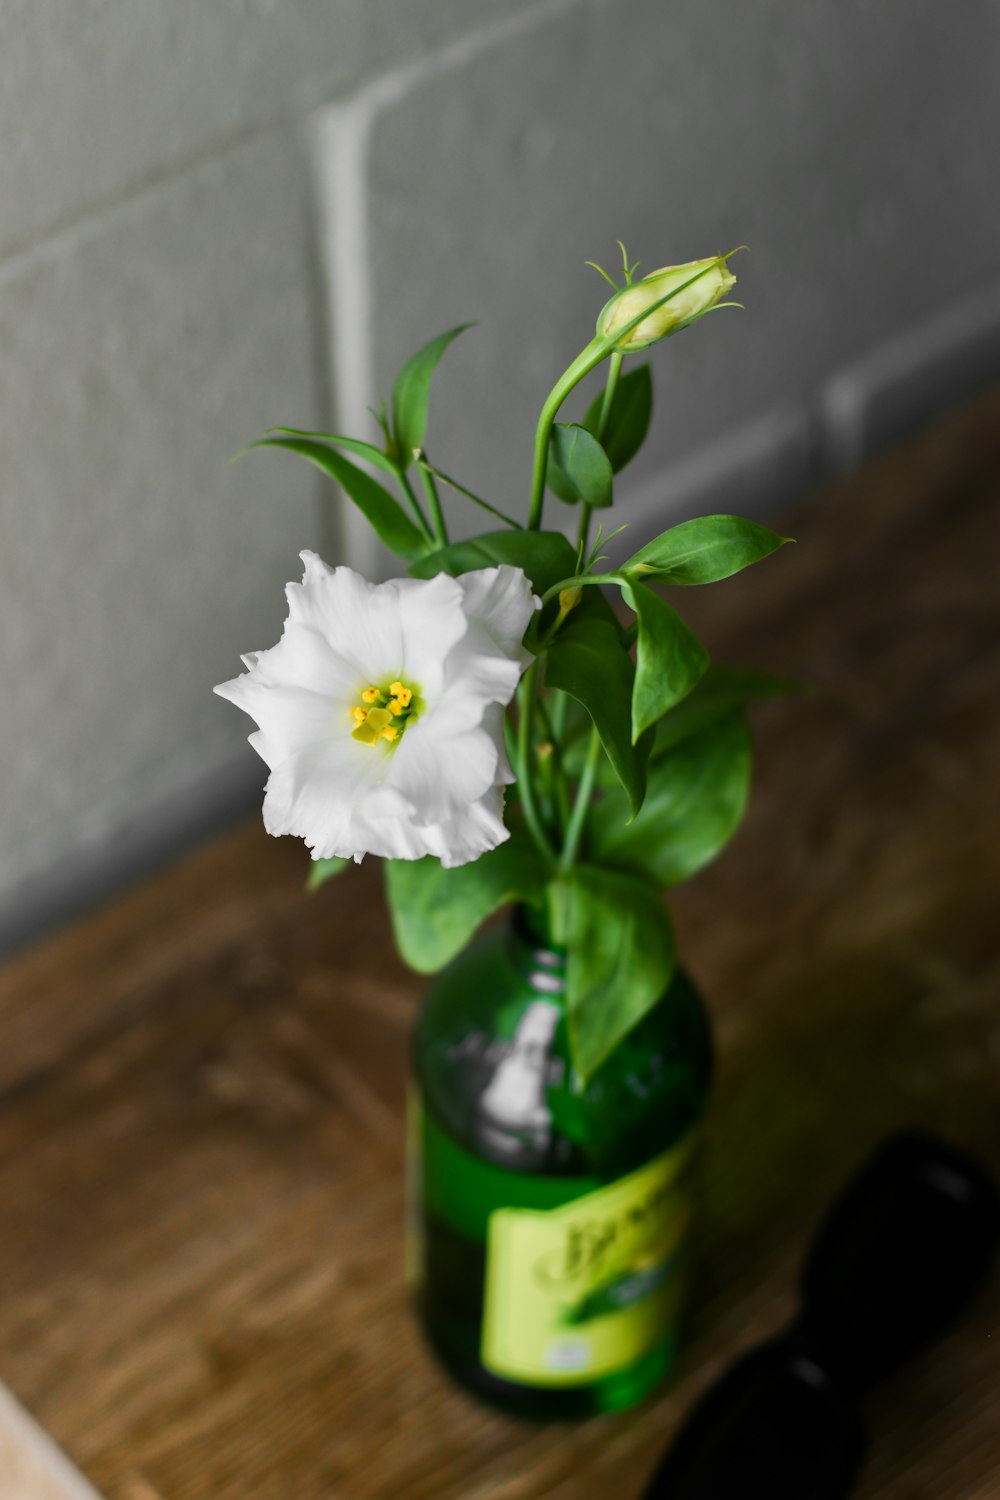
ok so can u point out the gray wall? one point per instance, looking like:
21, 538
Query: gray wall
217, 217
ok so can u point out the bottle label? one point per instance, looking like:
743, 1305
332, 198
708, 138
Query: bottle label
580, 1292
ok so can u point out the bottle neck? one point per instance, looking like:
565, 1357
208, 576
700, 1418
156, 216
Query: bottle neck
539, 959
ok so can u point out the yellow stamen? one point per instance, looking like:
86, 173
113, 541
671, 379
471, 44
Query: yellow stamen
387, 716
377, 719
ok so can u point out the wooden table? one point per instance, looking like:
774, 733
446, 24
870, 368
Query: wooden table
201, 1088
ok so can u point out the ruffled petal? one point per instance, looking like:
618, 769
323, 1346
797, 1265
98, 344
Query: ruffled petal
300, 691
314, 795
289, 718
501, 601
439, 789
353, 615
473, 832
304, 657
437, 776
476, 675
456, 841
485, 666
432, 621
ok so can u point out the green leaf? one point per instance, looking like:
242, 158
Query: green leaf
628, 420
412, 391
367, 451
620, 957
321, 870
546, 556
436, 911
384, 514
695, 800
721, 689
578, 467
704, 550
588, 661
669, 657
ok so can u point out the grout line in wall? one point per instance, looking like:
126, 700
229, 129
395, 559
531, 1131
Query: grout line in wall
64, 233
398, 83
338, 149
339, 139
57, 241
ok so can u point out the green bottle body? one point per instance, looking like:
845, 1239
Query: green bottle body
549, 1224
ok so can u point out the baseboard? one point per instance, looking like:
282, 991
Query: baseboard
163, 828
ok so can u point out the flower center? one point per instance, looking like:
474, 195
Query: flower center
383, 713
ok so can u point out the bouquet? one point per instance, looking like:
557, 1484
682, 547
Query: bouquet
517, 718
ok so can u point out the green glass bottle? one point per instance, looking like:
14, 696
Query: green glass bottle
548, 1224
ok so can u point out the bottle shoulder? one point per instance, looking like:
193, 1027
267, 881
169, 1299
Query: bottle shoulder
491, 1058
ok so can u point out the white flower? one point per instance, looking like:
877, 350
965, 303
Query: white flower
381, 711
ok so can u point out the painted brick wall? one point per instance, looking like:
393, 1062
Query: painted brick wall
215, 217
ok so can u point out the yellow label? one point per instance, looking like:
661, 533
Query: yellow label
583, 1291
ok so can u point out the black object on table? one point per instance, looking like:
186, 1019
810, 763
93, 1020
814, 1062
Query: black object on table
901, 1252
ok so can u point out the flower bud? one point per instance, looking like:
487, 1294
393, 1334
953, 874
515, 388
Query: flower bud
702, 294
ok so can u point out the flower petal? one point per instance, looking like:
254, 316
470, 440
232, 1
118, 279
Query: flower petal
433, 621
290, 718
500, 599
314, 795
437, 790
477, 829
474, 832
438, 776
486, 665
352, 614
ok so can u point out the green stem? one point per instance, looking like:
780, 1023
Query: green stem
583, 536
558, 718
555, 781
610, 390
526, 704
587, 360
418, 514
581, 804
469, 495
510, 742
578, 580
434, 505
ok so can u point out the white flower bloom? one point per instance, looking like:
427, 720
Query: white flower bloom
381, 711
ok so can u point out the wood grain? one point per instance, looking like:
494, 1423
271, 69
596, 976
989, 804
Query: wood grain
201, 1088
